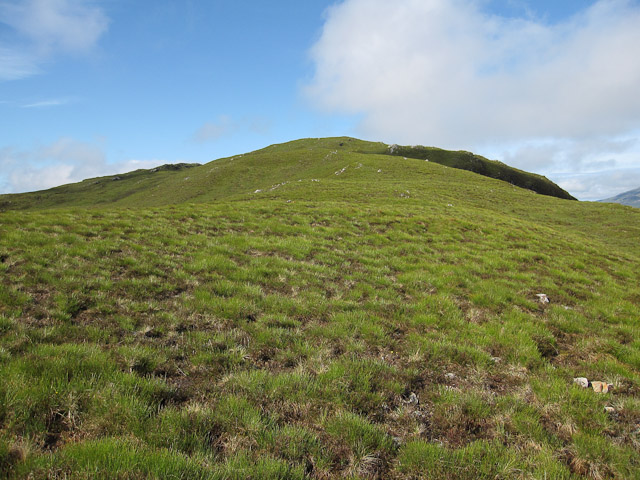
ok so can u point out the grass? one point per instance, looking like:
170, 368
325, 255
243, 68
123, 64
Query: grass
322, 330
264, 172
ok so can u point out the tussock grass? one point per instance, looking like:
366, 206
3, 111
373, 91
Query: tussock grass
322, 330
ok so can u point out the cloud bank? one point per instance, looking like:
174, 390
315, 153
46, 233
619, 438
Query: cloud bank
63, 161
40, 29
446, 73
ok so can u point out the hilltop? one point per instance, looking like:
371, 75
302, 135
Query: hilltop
262, 169
630, 198
314, 310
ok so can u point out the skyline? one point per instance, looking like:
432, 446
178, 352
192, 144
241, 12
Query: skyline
90, 88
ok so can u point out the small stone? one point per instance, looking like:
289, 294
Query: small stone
379, 170
542, 298
581, 381
450, 376
496, 359
601, 387
609, 409
413, 398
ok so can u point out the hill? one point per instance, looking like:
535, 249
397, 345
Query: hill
630, 198
315, 315
262, 169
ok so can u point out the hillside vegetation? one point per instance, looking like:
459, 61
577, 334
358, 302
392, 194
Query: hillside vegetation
277, 164
314, 313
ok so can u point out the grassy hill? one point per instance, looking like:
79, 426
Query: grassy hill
630, 198
317, 314
259, 170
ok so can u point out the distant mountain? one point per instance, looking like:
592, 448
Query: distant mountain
631, 198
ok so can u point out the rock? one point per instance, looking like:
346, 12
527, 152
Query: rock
542, 298
601, 387
393, 148
581, 381
379, 170
257, 191
609, 409
496, 359
413, 399
450, 376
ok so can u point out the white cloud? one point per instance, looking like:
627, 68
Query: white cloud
40, 29
213, 131
15, 65
600, 185
226, 126
63, 161
445, 73
53, 102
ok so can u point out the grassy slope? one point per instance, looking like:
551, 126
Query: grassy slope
281, 334
262, 169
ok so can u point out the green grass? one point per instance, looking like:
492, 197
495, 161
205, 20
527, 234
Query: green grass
323, 329
265, 172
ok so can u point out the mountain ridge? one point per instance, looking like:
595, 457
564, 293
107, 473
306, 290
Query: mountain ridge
630, 198
243, 173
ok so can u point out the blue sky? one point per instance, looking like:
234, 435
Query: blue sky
94, 87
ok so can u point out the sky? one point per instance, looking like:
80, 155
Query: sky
97, 87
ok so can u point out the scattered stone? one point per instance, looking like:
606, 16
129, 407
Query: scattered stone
609, 409
315, 180
581, 381
449, 205
542, 298
601, 387
397, 441
413, 399
341, 171
450, 376
258, 191
393, 148
496, 359
598, 387
379, 170
117, 178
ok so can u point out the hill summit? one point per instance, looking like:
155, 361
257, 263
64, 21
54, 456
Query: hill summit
280, 164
